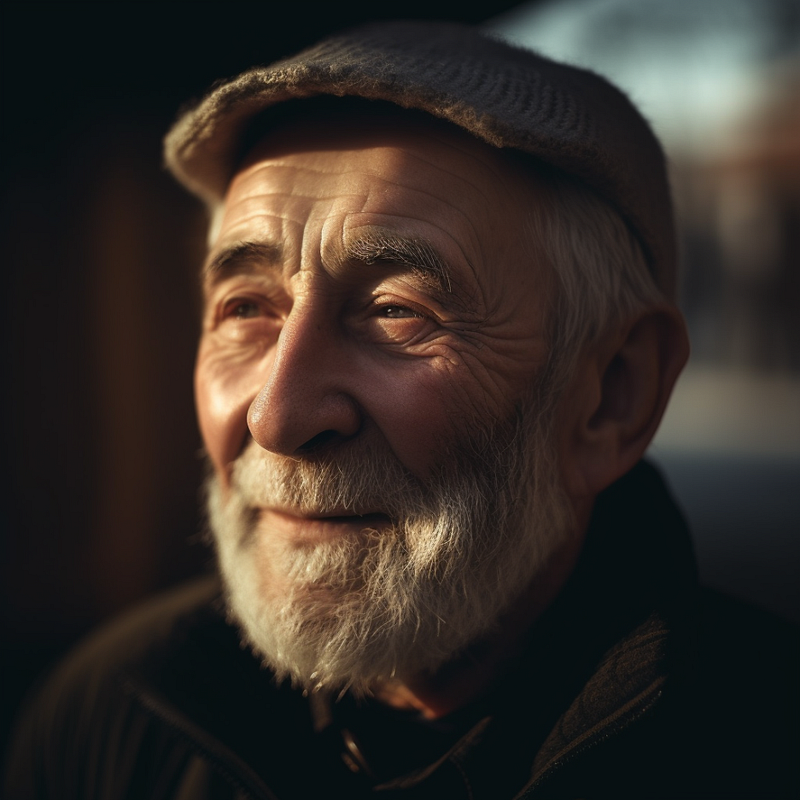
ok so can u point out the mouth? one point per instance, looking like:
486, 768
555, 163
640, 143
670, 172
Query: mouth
319, 527
366, 518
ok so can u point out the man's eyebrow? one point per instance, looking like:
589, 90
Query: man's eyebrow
417, 255
240, 256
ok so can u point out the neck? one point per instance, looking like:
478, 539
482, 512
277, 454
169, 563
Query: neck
473, 673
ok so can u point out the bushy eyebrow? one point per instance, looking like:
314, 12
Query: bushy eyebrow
240, 257
416, 255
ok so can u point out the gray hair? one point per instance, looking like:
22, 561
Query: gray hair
602, 274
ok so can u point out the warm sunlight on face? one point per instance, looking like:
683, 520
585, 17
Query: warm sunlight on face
368, 284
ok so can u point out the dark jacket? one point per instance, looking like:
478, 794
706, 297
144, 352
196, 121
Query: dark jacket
635, 683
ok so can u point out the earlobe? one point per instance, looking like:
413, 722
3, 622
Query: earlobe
622, 386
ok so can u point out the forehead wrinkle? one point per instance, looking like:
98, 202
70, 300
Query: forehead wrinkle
256, 212
306, 180
316, 177
360, 188
456, 174
283, 182
493, 170
443, 206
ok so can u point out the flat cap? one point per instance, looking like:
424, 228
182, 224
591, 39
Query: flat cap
505, 96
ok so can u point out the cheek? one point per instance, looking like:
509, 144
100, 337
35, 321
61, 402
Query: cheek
224, 390
420, 411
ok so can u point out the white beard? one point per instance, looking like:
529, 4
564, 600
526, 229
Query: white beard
373, 606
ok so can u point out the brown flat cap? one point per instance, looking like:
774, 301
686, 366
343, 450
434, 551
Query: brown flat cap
506, 96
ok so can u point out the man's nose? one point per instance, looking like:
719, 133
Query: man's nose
306, 401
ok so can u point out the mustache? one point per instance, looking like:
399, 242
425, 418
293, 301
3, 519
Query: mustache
366, 476
355, 480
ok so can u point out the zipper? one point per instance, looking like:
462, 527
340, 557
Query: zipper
235, 771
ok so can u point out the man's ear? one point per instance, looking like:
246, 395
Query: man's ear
617, 397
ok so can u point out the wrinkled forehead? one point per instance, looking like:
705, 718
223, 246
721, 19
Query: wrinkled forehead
373, 128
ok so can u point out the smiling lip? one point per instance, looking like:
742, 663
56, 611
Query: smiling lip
318, 526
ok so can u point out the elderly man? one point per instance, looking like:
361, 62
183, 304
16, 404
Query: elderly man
439, 334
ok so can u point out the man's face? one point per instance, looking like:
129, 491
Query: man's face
374, 329
388, 293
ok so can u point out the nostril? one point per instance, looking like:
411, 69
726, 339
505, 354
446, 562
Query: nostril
317, 441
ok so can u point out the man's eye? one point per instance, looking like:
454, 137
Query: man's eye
397, 312
243, 309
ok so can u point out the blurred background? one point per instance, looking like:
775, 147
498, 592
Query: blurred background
101, 249
719, 81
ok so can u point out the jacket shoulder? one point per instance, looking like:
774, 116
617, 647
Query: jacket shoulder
84, 711
729, 720
726, 722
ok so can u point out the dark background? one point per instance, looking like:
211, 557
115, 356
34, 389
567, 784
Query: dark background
99, 249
